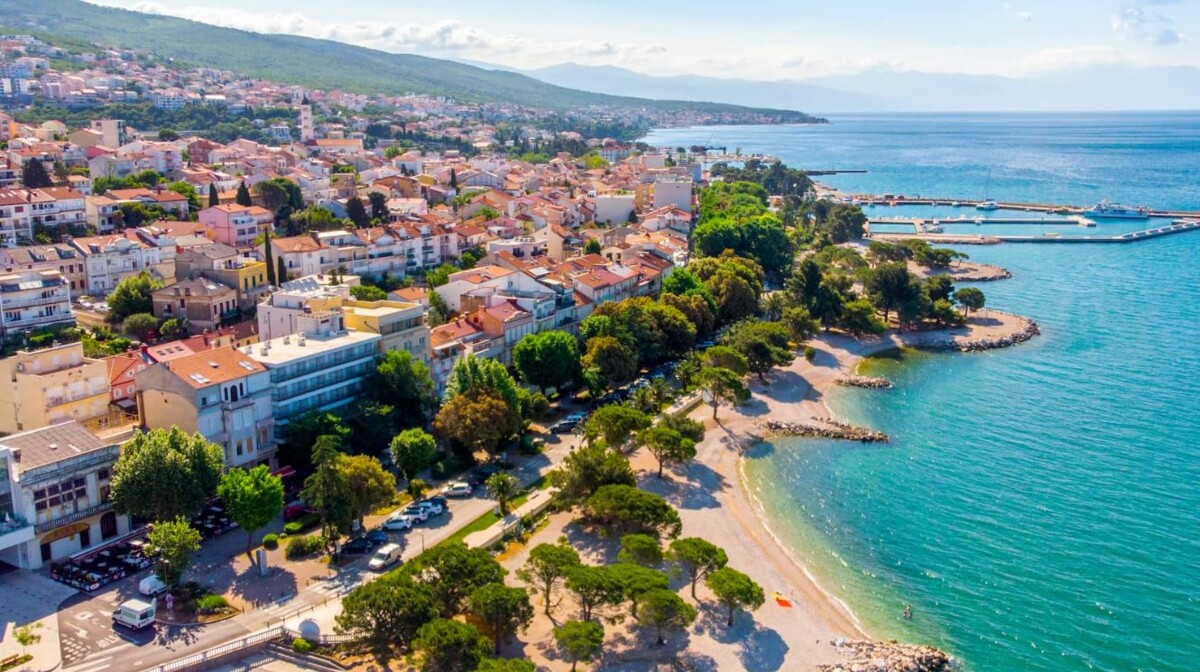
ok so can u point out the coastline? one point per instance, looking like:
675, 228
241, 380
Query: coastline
795, 394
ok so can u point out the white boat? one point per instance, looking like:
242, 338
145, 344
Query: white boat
988, 205
1107, 210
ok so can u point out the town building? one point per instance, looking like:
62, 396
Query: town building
54, 494
204, 303
33, 299
51, 385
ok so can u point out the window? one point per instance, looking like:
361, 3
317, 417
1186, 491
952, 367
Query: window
61, 493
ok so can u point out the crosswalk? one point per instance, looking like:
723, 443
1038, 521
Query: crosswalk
111, 655
332, 587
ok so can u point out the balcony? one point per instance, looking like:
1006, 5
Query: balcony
15, 531
34, 302
235, 405
72, 517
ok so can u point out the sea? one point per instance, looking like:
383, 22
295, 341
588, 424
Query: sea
1039, 506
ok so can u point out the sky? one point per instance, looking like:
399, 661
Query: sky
754, 39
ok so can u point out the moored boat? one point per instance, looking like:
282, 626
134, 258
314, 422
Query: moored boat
1107, 210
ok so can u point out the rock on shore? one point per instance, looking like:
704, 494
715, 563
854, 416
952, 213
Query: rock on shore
864, 656
867, 382
830, 429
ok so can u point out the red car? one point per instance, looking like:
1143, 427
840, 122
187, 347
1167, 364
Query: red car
295, 511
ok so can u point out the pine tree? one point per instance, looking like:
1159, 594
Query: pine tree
271, 279
243, 195
214, 199
34, 175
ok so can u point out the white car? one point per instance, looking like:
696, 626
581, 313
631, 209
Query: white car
457, 489
385, 557
151, 586
398, 522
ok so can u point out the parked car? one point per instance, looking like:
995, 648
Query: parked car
419, 514
151, 586
385, 557
357, 545
377, 537
296, 511
441, 502
576, 417
564, 427
457, 489
434, 508
398, 522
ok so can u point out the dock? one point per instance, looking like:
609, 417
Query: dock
1179, 226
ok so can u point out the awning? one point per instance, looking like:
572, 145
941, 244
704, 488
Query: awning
284, 471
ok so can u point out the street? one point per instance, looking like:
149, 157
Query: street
90, 644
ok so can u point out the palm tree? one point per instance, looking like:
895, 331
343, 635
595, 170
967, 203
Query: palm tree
661, 390
772, 306
502, 487
644, 400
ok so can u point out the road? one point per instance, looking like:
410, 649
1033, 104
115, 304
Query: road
90, 643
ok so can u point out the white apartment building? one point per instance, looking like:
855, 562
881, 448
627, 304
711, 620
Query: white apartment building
280, 313
33, 299
324, 366
222, 393
673, 191
110, 259
54, 489
21, 209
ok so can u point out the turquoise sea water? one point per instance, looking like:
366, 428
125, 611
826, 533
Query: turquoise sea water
1039, 507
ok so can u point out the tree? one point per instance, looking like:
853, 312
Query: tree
772, 306
640, 549
625, 507
939, 287
34, 175
547, 566
502, 487
27, 635
214, 198
858, 317
547, 359
665, 611
735, 590
452, 571
325, 488
252, 497
368, 293
695, 558
697, 307
133, 295
970, 298
243, 196
592, 246
503, 609
765, 345
172, 543
368, 484
722, 386
942, 311
734, 296
725, 357
386, 613
165, 474
615, 362
478, 375
799, 323
636, 581
615, 423
477, 421
273, 278
454, 179
892, 287
357, 212
378, 204
580, 641
404, 382
142, 326
667, 446
413, 450
281, 272
588, 468
594, 587
449, 646
173, 329
506, 665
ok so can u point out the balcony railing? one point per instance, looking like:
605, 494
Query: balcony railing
72, 517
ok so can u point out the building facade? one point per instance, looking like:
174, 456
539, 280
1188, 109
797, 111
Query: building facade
52, 385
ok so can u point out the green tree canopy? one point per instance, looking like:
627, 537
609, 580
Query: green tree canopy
616, 363
970, 298
34, 175
667, 446
452, 572
252, 497
594, 587
502, 487
640, 549
615, 423
326, 490
548, 565
627, 508
142, 326
477, 421
588, 468
356, 212
503, 609
165, 474
548, 359
636, 581
479, 375
443, 645
858, 318
405, 383
695, 558
133, 295
580, 641
385, 614
172, 543
665, 612
413, 450
722, 386
765, 345
734, 590
368, 293
368, 484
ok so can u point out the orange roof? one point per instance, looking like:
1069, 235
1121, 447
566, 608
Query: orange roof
120, 365
297, 244
213, 367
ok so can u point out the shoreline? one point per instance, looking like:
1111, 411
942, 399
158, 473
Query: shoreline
795, 394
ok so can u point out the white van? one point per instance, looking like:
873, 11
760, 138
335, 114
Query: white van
134, 614
385, 557
151, 586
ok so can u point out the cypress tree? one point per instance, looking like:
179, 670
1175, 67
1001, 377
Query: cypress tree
454, 179
267, 257
34, 175
214, 199
243, 195
281, 272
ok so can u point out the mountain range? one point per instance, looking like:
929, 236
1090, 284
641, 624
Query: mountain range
1092, 88
323, 64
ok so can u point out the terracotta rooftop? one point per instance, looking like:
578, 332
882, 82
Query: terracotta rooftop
213, 367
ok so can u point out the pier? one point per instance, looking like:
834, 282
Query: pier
1179, 226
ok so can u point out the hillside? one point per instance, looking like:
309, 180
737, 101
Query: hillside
315, 63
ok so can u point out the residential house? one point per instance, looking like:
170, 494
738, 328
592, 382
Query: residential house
51, 385
109, 259
204, 303
223, 264
33, 299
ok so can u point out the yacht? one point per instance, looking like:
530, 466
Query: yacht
1107, 210
988, 205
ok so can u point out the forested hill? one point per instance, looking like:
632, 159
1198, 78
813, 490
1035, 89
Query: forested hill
315, 63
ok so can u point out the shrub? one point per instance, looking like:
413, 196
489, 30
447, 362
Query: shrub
298, 547
302, 645
271, 542
810, 352
539, 406
302, 524
211, 604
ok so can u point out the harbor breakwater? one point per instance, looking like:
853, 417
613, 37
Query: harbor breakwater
827, 429
863, 656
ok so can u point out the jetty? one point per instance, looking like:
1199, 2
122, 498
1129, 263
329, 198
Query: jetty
923, 232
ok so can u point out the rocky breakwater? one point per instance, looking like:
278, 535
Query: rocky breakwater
981, 273
867, 382
1024, 330
889, 657
827, 429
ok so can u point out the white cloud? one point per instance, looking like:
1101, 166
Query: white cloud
1019, 15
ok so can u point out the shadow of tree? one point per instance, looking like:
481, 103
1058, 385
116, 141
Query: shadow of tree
759, 647
595, 544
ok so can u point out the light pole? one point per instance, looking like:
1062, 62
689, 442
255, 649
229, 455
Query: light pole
422, 533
